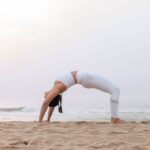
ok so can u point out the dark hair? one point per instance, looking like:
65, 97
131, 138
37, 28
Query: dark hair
57, 101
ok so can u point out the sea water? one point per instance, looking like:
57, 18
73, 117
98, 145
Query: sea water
31, 114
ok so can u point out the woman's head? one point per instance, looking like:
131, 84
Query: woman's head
57, 101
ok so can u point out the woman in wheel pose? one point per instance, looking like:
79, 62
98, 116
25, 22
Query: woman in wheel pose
87, 80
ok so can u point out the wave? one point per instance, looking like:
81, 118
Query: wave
108, 111
26, 113
11, 109
26, 109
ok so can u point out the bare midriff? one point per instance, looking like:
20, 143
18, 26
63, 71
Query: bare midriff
74, 76
62, 86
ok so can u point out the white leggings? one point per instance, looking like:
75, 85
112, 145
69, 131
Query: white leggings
91, 80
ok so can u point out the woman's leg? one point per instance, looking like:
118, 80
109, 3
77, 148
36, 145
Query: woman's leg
114, 103
107, 86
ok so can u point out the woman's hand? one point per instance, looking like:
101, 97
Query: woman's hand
46, 93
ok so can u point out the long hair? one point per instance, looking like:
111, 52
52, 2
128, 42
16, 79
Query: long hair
57, 101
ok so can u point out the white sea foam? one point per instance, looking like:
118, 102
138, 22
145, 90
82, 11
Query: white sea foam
31, 114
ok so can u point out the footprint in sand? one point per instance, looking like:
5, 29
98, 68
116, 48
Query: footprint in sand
18, 141
118, 132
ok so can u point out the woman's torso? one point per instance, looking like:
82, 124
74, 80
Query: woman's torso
67, 79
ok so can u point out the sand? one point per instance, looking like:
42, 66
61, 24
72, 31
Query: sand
74, 136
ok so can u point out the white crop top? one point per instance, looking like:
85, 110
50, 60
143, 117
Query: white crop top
67, 79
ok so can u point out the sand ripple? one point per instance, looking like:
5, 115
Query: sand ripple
74, 136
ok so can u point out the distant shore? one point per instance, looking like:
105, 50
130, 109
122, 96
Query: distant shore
82, 135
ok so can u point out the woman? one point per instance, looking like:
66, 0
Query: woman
87, 80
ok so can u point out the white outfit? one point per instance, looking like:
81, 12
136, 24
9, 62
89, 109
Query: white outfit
92, 80
67, 79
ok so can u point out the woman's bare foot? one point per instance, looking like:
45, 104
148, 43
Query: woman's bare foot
117, 121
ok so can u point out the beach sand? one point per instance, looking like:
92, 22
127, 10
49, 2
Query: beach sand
74, 136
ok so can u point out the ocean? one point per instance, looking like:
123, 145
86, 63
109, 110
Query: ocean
31, 114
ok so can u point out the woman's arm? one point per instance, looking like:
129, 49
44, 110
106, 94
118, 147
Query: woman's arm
52, 94
50, 112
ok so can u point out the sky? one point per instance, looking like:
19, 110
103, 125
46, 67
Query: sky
40, 39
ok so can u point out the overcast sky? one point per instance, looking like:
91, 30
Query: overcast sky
40, 39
